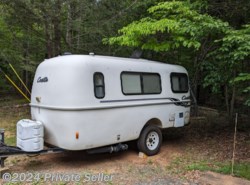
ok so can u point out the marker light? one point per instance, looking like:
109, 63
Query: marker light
187, 117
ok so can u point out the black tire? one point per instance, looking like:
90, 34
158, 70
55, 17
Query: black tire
150, 140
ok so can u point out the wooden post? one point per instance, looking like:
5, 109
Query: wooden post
234, 145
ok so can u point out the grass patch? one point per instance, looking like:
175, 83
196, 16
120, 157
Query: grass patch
9, 116
202, 166
182, 164
11, 140
240, 170
9, 101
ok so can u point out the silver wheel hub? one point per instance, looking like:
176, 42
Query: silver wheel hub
152, 140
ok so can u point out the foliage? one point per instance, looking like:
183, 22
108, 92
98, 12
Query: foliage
225, 62
234, 12
244, 77
170, 25
235, 45
33, 30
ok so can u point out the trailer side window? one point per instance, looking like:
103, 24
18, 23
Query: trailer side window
151, 83
136, 83
99, 86
179, 82
131, 83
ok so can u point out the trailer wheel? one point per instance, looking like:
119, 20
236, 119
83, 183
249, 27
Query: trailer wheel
150, 140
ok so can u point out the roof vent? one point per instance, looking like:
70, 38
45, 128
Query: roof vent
92, 54
67, 53
136, 54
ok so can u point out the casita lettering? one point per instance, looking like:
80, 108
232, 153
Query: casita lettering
41, 80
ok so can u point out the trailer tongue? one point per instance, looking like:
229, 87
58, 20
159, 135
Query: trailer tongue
7, 151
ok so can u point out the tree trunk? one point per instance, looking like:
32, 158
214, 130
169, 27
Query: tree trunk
69, 26
78, 34
25, 73
57, 30
232, 102
233, 97
27, 79
226, 100
48, 40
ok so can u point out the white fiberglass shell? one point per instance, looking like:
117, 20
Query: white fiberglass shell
63, 100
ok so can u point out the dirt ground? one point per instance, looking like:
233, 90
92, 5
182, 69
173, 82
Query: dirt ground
125, 167
181, 150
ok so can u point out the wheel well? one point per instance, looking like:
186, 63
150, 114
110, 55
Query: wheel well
154, 121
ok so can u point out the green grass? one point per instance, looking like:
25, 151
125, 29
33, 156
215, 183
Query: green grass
11, 140
9, 116
182, 164
150, 162
9, 101
199, 166
240, 170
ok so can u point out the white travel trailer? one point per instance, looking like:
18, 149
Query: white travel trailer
88, 101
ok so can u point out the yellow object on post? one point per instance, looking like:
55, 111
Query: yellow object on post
13, 83
17, 88
13, 69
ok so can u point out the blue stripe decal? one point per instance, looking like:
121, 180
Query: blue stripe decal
129, 100
185, 102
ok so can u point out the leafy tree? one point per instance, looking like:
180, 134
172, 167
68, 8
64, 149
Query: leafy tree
244, 77
88, 22
234, 12
22, 41
225, 64
34, 30
170, 25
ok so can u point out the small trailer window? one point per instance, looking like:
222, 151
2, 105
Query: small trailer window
99, 86
135, 83
179, 82
151, 83
131, 83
